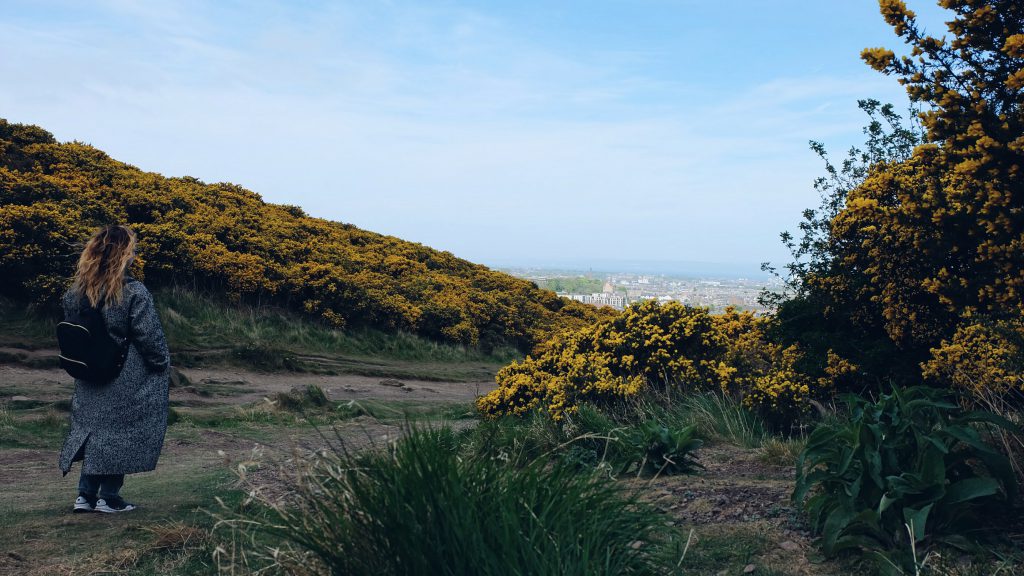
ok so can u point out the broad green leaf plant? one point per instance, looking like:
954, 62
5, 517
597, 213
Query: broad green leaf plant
913, 458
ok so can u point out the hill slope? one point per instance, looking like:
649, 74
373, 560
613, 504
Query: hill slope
226, 239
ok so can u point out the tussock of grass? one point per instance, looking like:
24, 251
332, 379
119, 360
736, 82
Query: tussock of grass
6, 419
423, 507
300, 399
781, 451
720, 417
176, 535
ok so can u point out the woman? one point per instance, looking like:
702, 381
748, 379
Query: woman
117, 427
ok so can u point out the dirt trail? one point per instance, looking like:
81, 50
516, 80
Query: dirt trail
212, 388
234, 386
737, 495
37, 498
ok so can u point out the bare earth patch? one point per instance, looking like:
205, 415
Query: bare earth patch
738, 508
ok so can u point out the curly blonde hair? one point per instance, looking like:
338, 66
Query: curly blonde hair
103, 264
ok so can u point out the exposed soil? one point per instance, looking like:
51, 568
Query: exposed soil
737, 492
232, 386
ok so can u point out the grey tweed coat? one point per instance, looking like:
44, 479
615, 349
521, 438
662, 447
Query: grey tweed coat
118, 427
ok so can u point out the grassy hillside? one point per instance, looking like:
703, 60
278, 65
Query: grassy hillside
224, 239
203, 331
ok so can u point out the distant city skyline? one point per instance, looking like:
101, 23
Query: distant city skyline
618, 290
526, 133
679, 268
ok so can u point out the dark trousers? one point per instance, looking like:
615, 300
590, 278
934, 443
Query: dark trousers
104, 485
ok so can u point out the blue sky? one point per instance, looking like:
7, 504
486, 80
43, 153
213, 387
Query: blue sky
509, 133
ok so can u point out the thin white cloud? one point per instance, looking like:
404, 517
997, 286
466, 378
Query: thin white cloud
439, 125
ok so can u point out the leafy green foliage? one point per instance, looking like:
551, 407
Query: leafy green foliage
665, 450
912, 458
889, 139
647, 441
813, 317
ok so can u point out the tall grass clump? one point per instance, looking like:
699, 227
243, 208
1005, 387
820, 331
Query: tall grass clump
421, 508
719, 416
6, 419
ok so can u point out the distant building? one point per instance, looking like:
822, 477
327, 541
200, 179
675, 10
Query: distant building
617, 301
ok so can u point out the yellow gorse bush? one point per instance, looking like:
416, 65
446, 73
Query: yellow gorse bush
224, 238
668, 348
980, 358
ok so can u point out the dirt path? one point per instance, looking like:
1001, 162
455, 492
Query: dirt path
41, 536
232, 386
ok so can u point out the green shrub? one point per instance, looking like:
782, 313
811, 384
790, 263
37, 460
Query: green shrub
299, 399
659, 449
911, 459
643, 441
422, 508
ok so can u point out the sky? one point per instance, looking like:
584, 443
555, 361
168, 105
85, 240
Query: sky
512, 133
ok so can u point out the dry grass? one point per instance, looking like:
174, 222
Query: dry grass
177, 536
173, 544
6, 418
122, 561
781, 452
1012, 441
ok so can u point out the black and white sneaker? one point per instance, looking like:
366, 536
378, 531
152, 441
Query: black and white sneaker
113, 505
84, 503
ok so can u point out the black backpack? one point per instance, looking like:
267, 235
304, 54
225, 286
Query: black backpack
87, 351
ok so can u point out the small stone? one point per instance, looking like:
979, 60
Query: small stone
749, 568
636, 544
178, 378
789, 545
